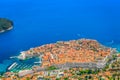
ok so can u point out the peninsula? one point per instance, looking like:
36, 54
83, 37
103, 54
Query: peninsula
5, 25
81, 59
75, 53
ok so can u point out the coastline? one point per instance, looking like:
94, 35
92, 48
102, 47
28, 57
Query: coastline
30, 53
10, 28
6, 29
41, 65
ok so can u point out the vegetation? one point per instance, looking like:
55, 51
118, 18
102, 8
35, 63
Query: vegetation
106, 67
66, 78
5, 24
51, 68
0, 76
114, 57
57, 78
87, 72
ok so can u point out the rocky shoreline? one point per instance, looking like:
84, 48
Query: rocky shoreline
6, 29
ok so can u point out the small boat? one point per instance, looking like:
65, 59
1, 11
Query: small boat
38, 62
13, 57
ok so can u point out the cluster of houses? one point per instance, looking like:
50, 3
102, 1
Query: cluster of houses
52, 52
58, 73
98, 64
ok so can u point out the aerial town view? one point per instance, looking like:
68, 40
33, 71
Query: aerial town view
59, 39
83, 59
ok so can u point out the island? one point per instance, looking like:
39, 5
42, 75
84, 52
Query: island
83, 59
5, 25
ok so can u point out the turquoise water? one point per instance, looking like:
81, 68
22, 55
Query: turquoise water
27, 64
37, 22
21, 65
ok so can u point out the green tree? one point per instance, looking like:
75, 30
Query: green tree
66, 78
51, 68
57, 78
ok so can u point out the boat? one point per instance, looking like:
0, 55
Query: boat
13, 57
38, 62
12, 66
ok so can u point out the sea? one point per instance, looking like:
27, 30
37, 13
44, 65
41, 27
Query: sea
39, 22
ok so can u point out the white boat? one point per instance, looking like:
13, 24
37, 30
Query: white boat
38, 62
12, 66
13, 57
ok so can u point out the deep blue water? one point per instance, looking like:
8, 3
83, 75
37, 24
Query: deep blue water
38, 22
